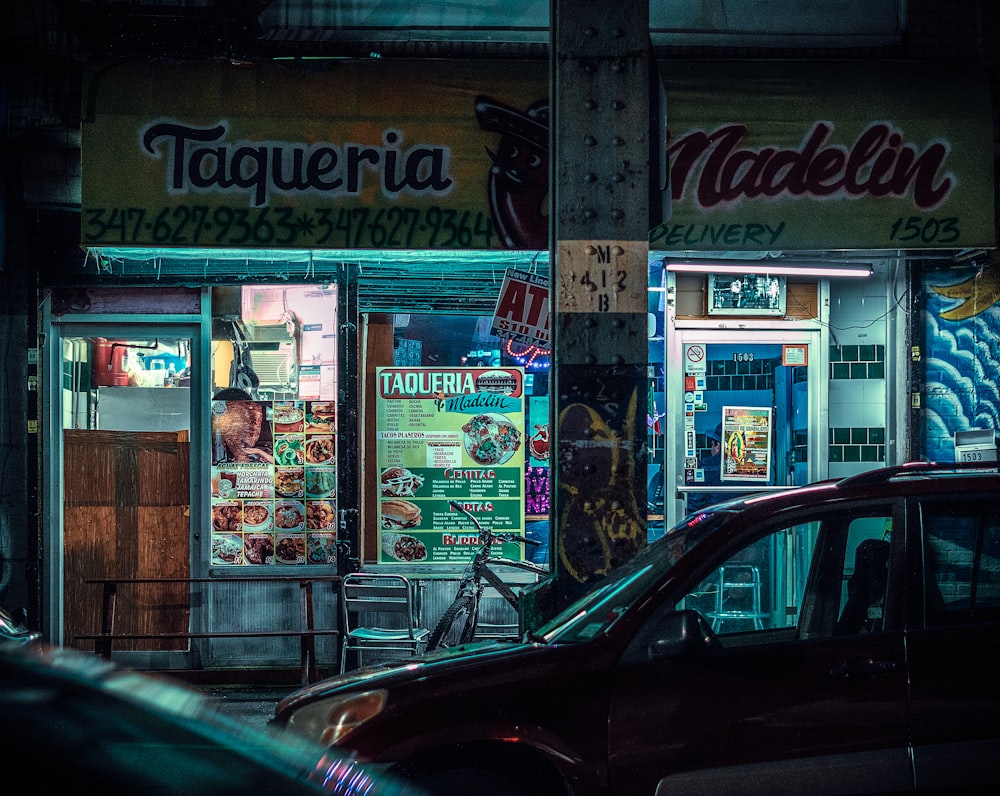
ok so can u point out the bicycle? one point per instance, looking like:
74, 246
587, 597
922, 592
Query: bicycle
459, 622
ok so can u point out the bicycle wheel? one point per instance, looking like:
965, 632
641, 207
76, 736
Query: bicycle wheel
457, 625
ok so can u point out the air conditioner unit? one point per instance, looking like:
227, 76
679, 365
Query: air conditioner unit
274, 355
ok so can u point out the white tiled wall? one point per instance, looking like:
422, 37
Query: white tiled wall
858, 311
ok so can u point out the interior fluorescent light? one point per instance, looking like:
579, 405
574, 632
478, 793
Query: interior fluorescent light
772, 268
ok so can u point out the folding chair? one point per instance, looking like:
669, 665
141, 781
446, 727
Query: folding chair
377, 612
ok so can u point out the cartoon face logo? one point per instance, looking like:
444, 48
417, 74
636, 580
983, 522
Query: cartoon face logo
518, 184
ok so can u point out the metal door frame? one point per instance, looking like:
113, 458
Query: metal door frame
54, 330
809, 333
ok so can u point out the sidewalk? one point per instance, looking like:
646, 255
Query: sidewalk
253, 705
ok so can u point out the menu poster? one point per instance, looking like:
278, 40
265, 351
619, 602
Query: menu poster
274, 483
746, 444
449, 434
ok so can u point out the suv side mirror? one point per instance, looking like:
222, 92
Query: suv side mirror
681, 633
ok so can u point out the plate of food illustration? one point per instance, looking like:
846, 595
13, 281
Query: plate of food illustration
321, 481
290, 549
403, 547
227, 516
259, 548
288, 481
322, 548
320, 450
321, 417
288, 419
227, 548
491, 438
288, 451
256, 516
399, 482
397, 514
289, 515
321, 515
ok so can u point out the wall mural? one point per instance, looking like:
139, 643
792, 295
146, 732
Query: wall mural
961, 319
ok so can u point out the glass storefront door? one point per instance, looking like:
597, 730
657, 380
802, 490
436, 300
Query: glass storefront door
123, 477
743, 415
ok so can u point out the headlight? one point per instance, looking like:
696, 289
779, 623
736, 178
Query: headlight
329, 721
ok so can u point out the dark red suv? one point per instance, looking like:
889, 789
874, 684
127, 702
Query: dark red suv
838, 638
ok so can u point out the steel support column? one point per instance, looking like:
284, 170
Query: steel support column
600, 181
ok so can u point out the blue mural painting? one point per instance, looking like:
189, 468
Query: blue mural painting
961, 320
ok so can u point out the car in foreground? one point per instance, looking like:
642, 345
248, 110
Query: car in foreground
71, 722
842, 637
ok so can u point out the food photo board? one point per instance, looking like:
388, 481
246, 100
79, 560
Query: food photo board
448, 434
274, 483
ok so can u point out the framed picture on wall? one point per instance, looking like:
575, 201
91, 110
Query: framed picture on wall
746, 294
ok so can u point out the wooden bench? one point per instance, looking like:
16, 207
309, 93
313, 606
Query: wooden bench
104, 641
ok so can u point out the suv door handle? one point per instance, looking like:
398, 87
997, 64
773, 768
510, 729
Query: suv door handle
862, 668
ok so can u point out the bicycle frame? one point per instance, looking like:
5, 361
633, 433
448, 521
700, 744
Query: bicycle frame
481, 571
459, 622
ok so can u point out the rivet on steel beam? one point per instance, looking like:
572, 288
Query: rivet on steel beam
588, 213
590, 32
618, 105
617, 359
618, 323
590, 177
618, 177
619, 32
590, 140
590, 104
617, 66
590, 323
619, 141
590, 359
618, 214
589, 249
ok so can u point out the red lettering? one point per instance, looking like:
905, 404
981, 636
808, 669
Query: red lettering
879, 163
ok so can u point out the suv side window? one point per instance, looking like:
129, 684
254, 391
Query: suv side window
961, 548
819, 578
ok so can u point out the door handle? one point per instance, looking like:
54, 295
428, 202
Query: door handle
862, 668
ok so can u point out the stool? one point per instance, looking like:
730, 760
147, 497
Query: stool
737, 596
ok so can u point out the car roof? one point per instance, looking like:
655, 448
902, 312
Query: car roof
896, 480
71, 718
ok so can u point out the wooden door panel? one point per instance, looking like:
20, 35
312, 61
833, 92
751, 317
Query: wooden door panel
126, 515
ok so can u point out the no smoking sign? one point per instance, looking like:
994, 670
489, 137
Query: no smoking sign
694, 358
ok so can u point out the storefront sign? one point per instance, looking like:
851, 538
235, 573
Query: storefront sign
448, 434
770, 156
522, 311
763, 156
746, 444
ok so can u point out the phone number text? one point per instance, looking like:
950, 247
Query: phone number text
359, 227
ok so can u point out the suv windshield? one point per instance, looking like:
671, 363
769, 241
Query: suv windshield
597, 610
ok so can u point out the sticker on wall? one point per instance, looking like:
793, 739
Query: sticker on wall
794, 355
694, 358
